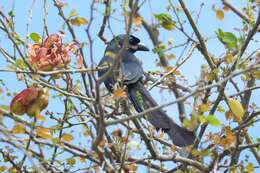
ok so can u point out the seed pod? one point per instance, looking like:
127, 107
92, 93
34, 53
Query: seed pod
31, 101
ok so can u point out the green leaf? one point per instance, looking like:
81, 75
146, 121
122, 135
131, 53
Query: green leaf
11, 13
20, 63
55, 140
212, 120
18, 38
35, 37
73, 13
163, 17
227, 38
165, 21
213, 8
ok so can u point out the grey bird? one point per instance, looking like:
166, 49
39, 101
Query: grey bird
131, 71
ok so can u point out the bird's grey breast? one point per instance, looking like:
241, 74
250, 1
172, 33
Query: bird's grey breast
132, 69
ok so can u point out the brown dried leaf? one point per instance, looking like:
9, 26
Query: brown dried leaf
117, 133
67, 137
137, 20
226, 8
102, 143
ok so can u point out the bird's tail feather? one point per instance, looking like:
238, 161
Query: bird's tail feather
141, 100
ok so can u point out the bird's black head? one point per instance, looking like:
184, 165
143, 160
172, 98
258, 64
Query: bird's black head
133, 43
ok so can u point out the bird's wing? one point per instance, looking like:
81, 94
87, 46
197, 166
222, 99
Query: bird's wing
132, 72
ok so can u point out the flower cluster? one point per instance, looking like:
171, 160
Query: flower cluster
51, 54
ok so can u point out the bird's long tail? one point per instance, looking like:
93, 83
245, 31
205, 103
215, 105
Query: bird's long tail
141, 100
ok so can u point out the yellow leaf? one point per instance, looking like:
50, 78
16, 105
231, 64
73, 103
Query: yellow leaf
203, 107
13, 170
195, 152
256, 74
119, 93
71, 161
211, 76
131, 167
137, 20
77, 21
173, 148
161, 46
220, 14
250, 168
220, 109
55, 140
168, 25
43, 133
229, 58
170, 56
236, 107
202, 119
190, 123
18, 128
67, 137
40, 117
82, 159
3, 168
173, 70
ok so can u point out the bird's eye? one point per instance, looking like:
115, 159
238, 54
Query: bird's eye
131, 40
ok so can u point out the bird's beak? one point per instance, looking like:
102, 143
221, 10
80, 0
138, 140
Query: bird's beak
142, 47
139, 47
